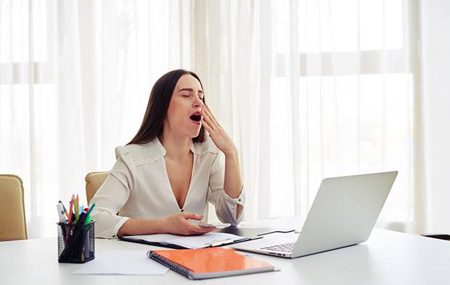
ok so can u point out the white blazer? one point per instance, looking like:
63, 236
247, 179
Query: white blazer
138, 187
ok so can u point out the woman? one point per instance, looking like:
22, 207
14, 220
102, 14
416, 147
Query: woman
169, 171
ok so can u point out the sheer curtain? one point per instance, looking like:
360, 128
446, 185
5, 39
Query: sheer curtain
307, 89
313, 89
75, 80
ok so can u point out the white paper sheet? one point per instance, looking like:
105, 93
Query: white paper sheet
122, 262
201, 241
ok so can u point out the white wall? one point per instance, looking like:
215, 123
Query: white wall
435, 35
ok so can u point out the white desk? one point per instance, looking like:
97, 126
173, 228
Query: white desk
386, 258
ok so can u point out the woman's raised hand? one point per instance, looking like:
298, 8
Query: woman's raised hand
216, 132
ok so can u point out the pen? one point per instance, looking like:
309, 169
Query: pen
80, 233
88, 215
62, 221
81, 210
82, 218
90, 209
70, 219
76, 208
64, 208
70, 209
221, 242
62, 217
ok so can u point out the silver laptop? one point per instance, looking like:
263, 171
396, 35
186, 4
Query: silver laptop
344, 213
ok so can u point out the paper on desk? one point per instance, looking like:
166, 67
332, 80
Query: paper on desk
205, 240
201, 241
122, 262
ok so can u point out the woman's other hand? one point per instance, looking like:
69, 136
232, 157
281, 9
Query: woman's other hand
178, 224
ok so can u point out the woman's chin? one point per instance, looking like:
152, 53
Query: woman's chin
195, 134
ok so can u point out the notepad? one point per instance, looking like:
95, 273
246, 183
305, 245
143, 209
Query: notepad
209, 262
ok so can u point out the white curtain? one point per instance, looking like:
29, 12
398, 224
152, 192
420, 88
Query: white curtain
313, 89
307, 89
75, 80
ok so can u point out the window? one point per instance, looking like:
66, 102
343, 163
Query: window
351, 104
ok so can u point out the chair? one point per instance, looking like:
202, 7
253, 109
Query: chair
13, 224
93, 181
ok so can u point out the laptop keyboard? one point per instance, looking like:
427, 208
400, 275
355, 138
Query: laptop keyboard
285, 247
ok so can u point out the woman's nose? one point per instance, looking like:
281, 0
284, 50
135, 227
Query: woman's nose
198, 103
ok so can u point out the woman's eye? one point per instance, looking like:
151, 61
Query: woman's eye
186, 95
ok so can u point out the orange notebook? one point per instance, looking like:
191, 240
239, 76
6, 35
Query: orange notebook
209, 262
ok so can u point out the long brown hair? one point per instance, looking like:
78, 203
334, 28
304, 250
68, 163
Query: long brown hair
158, 103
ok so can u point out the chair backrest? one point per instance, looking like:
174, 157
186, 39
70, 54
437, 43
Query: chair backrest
13, 224
93, 181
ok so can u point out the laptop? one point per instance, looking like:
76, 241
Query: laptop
343, 213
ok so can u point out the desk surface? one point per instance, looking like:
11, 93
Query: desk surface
386, 258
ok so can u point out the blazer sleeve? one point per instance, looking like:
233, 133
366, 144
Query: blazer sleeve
111, 197
225, 205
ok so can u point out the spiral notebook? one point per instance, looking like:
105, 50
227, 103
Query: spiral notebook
209, 262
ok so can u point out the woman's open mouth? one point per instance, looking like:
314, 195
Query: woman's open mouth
196, 117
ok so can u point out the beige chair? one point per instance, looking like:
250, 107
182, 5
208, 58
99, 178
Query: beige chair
93, 181
13, 224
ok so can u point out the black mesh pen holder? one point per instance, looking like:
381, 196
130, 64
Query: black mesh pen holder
76, 242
